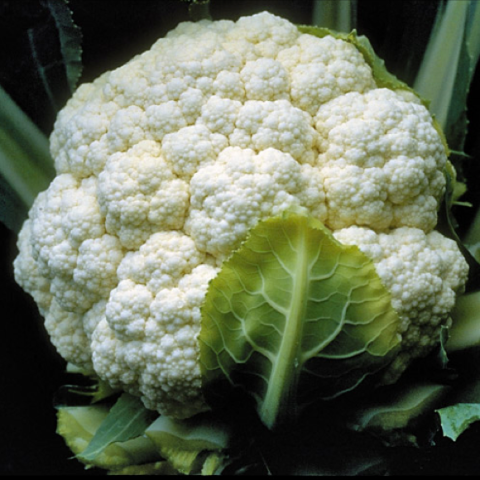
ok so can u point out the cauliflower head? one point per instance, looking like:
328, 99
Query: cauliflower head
164, 165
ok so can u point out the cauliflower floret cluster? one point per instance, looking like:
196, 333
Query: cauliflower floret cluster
164, 165
423, 272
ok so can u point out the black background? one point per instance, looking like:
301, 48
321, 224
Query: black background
113, 30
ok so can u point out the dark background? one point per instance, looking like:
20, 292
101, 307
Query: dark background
113, 30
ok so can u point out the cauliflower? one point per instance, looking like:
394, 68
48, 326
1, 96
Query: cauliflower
165, 164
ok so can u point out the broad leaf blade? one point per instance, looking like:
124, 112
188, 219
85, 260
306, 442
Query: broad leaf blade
294, 316
127, 419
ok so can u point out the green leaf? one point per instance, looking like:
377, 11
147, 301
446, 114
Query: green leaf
294, 316
447, 68
194, 445
70, 37
339, 16
403, 405
126, 420
455, 419
95, 388
12, 210
447, 226
156, 468
79, 424
97, 392
43, 50
26, 167
465, 330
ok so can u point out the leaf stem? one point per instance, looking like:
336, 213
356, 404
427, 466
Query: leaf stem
281, 394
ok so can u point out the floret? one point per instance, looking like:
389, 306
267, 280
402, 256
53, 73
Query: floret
424, 273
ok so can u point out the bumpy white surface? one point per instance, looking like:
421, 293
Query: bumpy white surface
164, 164
423, 272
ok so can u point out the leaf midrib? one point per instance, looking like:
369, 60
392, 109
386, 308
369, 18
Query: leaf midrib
282, 384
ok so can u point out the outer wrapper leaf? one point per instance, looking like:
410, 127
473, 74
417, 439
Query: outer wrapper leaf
126, 420
78, 426
294, 316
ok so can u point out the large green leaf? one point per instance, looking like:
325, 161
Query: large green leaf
294, 316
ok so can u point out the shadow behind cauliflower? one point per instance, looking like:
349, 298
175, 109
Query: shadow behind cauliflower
164, 165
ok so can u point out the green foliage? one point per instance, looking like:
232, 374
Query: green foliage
120, 435
447, 225
193, 446
43, 62
26, 167
392, 415
79, 425
126, 420
70, 37
335, 15
447, 69
465, 331
294, 316
455, 419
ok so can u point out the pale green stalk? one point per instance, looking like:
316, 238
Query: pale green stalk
25, 161
338, 15
473, 39
473, 44
457, 24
